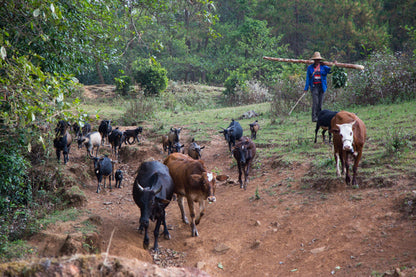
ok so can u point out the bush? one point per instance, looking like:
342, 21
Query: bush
123, 84
151, 76
235, 81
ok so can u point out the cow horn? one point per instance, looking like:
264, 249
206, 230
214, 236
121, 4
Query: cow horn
140, 187
158, 190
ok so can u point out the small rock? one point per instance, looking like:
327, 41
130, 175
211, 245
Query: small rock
318, 250
200, 265
256, 244
221, 248
107, 203
257, 223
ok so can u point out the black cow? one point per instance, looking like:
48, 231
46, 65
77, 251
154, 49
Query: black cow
86, 129
119, 177
324, 122
233, 133
244, 153
62, 141
152, 192
104, 129
116, 140
128, 134
103, 167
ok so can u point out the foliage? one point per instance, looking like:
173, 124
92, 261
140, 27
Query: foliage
339, 77
15, 189
396, 142
376, 85
123, 84
151, 76
236, 79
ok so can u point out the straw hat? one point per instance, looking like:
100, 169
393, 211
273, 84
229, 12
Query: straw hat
317, 56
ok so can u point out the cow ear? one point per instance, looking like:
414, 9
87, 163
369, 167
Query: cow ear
163, 201
222, 177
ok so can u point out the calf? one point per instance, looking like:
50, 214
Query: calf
324, 122
165, 143
152, 192
86, 129
254, 127
233, 133
173, 137
90, 141
115, 138
119, 177
62, 141
244, 152
349, 136
105, 129
194, 150
128, 134
176, 147
193, 182
103, 167
76, 129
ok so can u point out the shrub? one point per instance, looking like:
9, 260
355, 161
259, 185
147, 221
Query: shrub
236, 81
151, 76
123, 84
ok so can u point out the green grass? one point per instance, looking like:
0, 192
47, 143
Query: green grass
390, 129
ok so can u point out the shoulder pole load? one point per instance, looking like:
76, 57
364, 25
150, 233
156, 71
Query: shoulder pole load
345, 65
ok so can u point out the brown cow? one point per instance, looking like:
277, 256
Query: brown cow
193, 181
254, 128
244, 152
349, 137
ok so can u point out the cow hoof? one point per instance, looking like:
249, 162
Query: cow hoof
185, 220
146, 245
167, 236
195, 234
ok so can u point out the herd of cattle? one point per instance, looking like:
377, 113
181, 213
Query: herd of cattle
186, 175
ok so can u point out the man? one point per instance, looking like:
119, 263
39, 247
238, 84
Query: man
316, 80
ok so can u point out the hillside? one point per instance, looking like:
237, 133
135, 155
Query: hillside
291, 220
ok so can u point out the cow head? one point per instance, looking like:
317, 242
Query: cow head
227, 133
207, 181
177, 147
150, 205
347, 136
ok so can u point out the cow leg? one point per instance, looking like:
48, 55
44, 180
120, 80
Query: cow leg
347, 169
180, 204
192, 212
246, 176
98, 187
201, 211
166, 234
109, 180
316, 131
355, 168
58, 155
239, 175
337, 158
323, 135
146, 238
156, 233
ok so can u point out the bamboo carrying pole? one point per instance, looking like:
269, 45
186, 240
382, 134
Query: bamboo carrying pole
345, 65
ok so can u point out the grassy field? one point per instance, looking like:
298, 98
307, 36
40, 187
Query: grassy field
389, 148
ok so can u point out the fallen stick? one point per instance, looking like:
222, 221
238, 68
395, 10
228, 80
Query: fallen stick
345, 65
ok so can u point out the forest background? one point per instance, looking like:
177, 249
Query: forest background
49, 48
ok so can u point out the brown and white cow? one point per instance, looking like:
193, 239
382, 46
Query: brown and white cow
349, 136
193, 181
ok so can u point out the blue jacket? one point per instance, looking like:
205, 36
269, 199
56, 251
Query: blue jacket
324, 71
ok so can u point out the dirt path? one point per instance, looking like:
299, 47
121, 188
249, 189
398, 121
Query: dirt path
288, 231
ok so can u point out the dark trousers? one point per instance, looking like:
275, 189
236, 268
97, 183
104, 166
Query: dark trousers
317, 100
